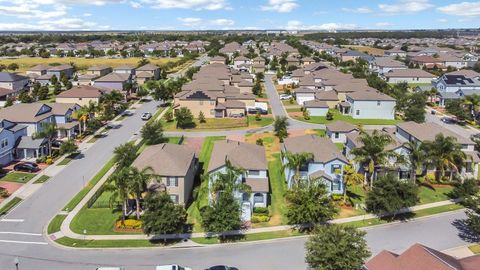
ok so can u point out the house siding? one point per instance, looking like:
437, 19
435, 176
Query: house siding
371, 109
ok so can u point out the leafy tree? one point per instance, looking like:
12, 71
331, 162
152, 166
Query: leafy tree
118, 184
160, 92
152, 132
416, 156
57, 89
169, 116
68, 147
9, 102
109, 101
137, 183
142, 92
466, 189
2, 67
124, 154
280, 127
54, 80
201, 117
444, 153
184, 118
191, 71
222, 215
390, 195
259, 76
329, 116
473, 214
334, 247
415, 107
257, 89
309, 204
163, 74
68, 85
24, 97
228, 181
43, 92
456, 108
12, 66
295, 161
162, 216
350, 178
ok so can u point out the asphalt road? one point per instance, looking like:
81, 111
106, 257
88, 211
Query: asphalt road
436, 232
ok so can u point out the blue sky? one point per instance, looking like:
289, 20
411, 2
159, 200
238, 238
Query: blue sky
236, 14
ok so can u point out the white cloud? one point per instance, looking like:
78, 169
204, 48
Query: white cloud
87, 14
468, 9
221, 22
405, 6
298, 25
442, 20
383, 24
27, 11
202, 24
282, 6
191, 22
135, 4
361, 10
52, 25
188, 4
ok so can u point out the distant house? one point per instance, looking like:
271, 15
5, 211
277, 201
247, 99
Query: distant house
304, 94
395, 52
337, 131
217, 60
351, 55
383, 65
419, 257
151, 69
369, 104
330, 97
316, 107
427, 61
44, 79
452, 83
124, 69
241, 61
5, 94
81, 95
85, 79
13, 81
249, 157
327, 163
98, 71
176, 166
113, 81
37, 70
68, 70
408, 76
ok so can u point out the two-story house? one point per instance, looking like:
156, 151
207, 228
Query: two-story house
337, 131
13, 81
326, 166
252, 160
369, 104
58, 71
113, 81
9, 135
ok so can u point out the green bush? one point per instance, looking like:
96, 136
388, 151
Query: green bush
260, 210
258, 219
337, 197
469, 188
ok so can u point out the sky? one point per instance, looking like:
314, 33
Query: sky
71, 15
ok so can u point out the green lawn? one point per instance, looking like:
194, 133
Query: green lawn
475, 249
210, 124
55, 224
68, 159
430, 195
250, 237
66, 241
278, 188
18, 177
75, 200
7, 207
204, 158
42, 179
264, 121
339, 117
97, 221
294, 110
321, 132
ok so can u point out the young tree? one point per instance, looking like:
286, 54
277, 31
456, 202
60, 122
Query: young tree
334, 247
68, 85
9, 102
137, 184
257, 89
162, 216
184, 118
350, 178
309, 204
222, 215
152, 132
24, 97
295, 161
68, 147
57, 89
12, 67
124, 154
390, 195
169, 116
280, 127
53, 80
118, 184
329, 116
201, 117
43, 92
416, 156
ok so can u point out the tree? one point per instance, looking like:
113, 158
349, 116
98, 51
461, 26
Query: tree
259, 76
152, 132
329, 116
295, 161
49, 132
118, 183
416, 156
68, 147
473, 214
142, 92
12, 67
43, 92
24, 97
9, 102
159, 91
309, 204
68, 85
389, 195
2, 67
108, 102
53, 80
201, 117
162, 216
184, 118
228, 181
257, 89
469, 187
415, 107
169, 116
456, 108
124, 154
280, 127
372, 153
444, 153
137, 183
57, 89
306, 114
222, 215
350, 177
143, 62
335, 247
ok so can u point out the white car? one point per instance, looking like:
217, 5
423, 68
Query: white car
146, 116
110, 268
172, 267
285, 97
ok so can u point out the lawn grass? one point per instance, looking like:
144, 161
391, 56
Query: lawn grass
294, 109
430, 195
7, 207
18, 177
264, 121
475, 249
96, 221
42, 179
68, 159
70, 242
339, 117
193, 210
249, 237
75, 200
25, 63
210, 124
55, 223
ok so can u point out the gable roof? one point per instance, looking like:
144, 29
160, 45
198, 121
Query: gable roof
11, 77
148, 67
114, 77
428, 131
323, 149
326, 96
340, 126
25, 112
166, 159
84, 91
241, 155
98, 68
370, 95
409, 72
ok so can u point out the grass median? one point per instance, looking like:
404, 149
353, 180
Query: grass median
79, 243
55, 224
7, 207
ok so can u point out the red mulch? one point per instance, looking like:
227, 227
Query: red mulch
11, 187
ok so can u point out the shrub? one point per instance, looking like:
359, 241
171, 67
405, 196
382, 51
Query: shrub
329, 116
259, 141
258, 218
337, 197
258, 116
129, 224
468, 188
260, 210
49, 161
430, 177
41, 159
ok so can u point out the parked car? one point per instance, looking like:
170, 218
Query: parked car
172, 267
146, 116
221, 267
448, 120
475, 137
433, 112
25, 167
110, 268
285, 97
57, 143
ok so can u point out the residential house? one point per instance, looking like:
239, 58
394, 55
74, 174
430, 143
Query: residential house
408, 76
419, 257
327, 163
63, 117
85, 79
37, 70
5, 94
330, 97
304, 94
13, 81
99, 71
176, 167
351, 55
369, 104
58, 71
383, 65
124, 69
240, 62
316, 107
151, 69
252, 159
217, 60
450, 60
427, 61
44, 79
9, 135
395, 52
453, 83
81, 95
337, 131
114, 81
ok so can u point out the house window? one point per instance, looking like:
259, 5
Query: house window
335, 185
4, 143
337, 135
174, 198
258, 198
335, 168
378, 103
172, 181
357, 112
254, 172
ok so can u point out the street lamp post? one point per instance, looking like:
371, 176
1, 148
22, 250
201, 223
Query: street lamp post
16, 261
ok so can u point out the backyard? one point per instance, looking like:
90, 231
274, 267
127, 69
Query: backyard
339, 117
221, 124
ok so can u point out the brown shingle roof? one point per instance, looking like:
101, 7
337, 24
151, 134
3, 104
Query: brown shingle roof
326, 96
241, 155
98, 68
322, 149
84, 91
340, 126
428, 131
25, 113
315, 104
148, 67
401, 73
370, 95
258, 184
114, 77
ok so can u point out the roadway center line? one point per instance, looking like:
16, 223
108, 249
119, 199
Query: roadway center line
22, 233
23, 242
12, 220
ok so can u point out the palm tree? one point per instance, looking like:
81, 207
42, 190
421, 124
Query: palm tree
473, 103
295, 161
49, 132
125, 154
137, 184
228, 181
350, 177
444, 153
416, 156
372, 152
280, 127
109, 100
118, 183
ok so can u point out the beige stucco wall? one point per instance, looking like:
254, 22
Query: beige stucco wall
196, 106
79, 101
